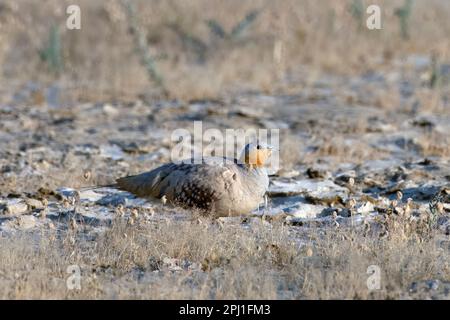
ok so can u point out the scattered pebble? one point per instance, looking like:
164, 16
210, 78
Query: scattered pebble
14, 207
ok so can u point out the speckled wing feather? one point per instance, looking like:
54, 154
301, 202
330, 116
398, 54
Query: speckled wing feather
192, 185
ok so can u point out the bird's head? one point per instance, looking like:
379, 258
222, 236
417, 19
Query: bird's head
256, 154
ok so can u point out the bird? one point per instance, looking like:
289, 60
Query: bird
219, 186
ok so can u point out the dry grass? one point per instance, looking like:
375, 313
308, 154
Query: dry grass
235, 263
285, 35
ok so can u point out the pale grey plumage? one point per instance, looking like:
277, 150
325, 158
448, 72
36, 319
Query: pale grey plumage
220, 186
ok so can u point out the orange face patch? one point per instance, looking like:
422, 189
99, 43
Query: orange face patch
261, 157
257, 157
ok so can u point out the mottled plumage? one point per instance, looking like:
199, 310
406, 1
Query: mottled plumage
220, 186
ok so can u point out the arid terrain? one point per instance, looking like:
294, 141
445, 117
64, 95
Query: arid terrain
364, 175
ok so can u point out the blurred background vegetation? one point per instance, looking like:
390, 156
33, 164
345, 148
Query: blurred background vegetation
204, 49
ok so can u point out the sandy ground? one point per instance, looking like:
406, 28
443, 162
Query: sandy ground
355, 152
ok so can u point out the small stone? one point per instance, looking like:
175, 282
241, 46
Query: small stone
288, 173
321, 191
65, 192
114, 200
345, 179
345, 212
110, 110
26, 222
433, 284
172, 264
315, 173
112, 152
34, 204
249, 112
15, 207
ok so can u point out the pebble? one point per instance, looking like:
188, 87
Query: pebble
34, 204
287, 173
26, 222
365, 208
15, 207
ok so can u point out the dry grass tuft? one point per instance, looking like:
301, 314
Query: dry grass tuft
215, 261
197, 62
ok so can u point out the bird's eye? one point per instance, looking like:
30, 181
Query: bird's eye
258, 147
